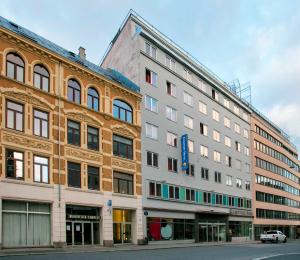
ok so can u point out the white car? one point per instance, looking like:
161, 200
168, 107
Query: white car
273, 236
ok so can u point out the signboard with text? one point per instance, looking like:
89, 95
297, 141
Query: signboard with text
184, 152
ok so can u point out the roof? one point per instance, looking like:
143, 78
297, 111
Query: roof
108, 73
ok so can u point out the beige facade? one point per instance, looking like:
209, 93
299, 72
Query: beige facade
275, 168
18, 134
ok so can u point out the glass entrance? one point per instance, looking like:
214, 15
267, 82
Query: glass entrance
203, 233
82, 233
212, 232
77, 233
122, 226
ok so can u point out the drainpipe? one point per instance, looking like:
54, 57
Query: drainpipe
59, 152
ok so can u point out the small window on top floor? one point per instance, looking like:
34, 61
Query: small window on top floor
41, 78
122, 111
74, 91
15, 67
93, 99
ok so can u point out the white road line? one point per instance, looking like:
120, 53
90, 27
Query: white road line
266, 257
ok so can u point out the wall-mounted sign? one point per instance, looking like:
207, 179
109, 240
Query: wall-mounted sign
184, 152
82, 217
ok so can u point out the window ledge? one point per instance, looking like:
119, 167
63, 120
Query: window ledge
125, 195
23, 182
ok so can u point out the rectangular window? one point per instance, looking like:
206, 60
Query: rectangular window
171, 113
202, 85
238, 164
14, 116
14, 164
93, 178
247, 185
237, 128
239, 183
92, 138
237, 146
190, 170
202, 108
171, 139
171, 192
187, 99
236, 110
247, 167
152, 159
228, 180
245, 117
203, 151
227, 141
172, 164
151, 188
218, 177
215, 95
216, 135
123, 183
171, 89
122, 147
217, 156
151, 131
246, 150
187, 75
203, 129
41, 169
207, 197
216, 115
40, 123
188, 122
204, 173
151, 104
154, 189
228, 160
151, 77
170, 63
246, 133
74, 175
73, 133
150, 50
227, 122
226, 103
191, 146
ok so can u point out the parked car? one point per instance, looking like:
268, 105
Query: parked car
273, 236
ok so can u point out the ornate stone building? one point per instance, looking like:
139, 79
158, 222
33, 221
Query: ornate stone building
70, 147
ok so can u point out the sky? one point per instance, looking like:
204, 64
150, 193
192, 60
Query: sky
256, 41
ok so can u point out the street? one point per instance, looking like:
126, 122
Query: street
290, 250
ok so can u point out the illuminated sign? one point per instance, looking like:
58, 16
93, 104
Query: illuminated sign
184, 152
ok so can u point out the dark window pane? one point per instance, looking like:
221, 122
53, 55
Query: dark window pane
74, 175
93, 178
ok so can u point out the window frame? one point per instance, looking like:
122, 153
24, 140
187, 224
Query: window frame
118, 152
120, 109
41, 169
15, 67
119, 179
74, 91
14, 114
41, 76
79, 132
93, 137
41, 120
7, 150
93, 98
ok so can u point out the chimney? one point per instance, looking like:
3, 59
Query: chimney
81, 53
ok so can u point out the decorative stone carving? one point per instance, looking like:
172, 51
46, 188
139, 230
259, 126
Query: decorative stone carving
82, 117
123, 130
27, 142
119, 163
84, 155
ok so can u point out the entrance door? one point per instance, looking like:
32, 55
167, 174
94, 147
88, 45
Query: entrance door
203, 233
215, 233
77, 233
122, 233
87, 233
126, 233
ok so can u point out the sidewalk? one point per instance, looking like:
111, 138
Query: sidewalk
86, 249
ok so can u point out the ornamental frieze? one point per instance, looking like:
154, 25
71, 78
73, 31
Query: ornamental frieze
119, 163
123, 130
82, 117
84, 155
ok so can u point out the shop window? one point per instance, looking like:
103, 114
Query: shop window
123, 183
122, 111
74, 175
74, 91
41, 169
40, 123
92, 138
14, 116
15, 67
14, 164
122, 147
93, 178
73, 133
41, 78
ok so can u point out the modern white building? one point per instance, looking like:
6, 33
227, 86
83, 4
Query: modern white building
186, 106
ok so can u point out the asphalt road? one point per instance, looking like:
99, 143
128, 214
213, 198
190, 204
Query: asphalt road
288, 251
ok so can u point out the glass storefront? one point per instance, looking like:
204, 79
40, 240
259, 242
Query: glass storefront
122, 226
26, 224
240, 228
163, 229
82, 225
289, 231
212, 232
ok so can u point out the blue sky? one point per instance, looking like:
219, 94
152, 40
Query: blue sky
256, 41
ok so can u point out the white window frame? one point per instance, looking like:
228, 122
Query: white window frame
227, 122
153, 131
217, 156
188, 122
152, 108
169, 62
187, 99
216, 115
228, 180
204, 151
237, 128
152, 50
216, 136
171, 113
227, 141
171, 139
202, 107
191, 146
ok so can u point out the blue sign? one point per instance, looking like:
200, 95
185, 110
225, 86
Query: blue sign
184, 152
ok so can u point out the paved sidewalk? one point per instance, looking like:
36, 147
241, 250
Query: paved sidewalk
85, 249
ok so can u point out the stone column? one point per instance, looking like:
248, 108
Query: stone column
107, 222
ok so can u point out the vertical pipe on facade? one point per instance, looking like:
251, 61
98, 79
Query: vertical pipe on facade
59, 152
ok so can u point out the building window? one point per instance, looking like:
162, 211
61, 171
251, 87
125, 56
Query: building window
237, 146
14, 164
41, 78
40, 123
204, 173
226, 103
217, 156
152, 159
190, 170
151, 77
171, 89
228, 160
93, 178
123, 183
246, 133
188, 122
202, 108
207, 197
151, 131
14, 116
245, 117
227, 141
170, 63
203, 129
218, 177
228, 180
191, 146
247, 167
236, 109
238, 164
123, 147
73, 133
216, 136
74, 175
227, 122
247, 185
151, 104
155, 189
171, 113
237, 128
122, 111
150, 50
239, 183
15, 67
187, 99
172, 164
93, 99
92, 138
187, 75
216, 115
41, 169
189, 194
74, 91
246, 150
215, 95
203, 151
171, 139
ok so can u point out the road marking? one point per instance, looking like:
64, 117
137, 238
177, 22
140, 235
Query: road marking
266, 257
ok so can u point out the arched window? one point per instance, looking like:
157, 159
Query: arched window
93, 99
74, 91
122, 111
41, 78
15, 67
